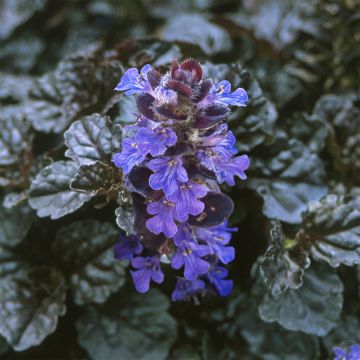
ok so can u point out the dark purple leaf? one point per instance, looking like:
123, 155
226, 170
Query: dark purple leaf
144, 104
218, 207
211, 115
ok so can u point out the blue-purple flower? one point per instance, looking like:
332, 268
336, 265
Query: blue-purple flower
186, 200
217, 237
225, 170
140, 142
220, 231
221, 142
217, 278
168, 174
189, 255
155, 141
221, 94
127, 247
130, 156
147, 269
163, 221
134, 82
186, 289
352, 354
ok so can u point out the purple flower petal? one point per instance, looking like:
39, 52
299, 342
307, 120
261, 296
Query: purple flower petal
132, 82
189, 255
352, 354
217, 279
163, 221
138, 262
221, 94
185, 289
216, 238
226, 254
130, 156
177, 261
156, 141
194, 266
221, 142
186, 200
225, 170
157, 276
141, 280
169, 172
184, 234
148, 268
220, 232
128, 247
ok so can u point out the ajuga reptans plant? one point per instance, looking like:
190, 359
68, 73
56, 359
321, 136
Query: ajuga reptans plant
174, 158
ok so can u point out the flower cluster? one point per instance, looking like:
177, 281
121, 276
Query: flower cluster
174, 157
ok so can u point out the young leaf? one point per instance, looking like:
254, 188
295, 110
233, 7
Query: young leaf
196, 29
91, 139
15, 199
341, 111
137, 326
78, 86
30, 306
27, 43
125, 220
15, 224
275, 343
15, 88
87, 250
95, 179
50, 192
351, 157
314, 308
11, 263
332, 227
13, 13
287, 175
275, 22
271, 340
15, 140
311, 130
280, 268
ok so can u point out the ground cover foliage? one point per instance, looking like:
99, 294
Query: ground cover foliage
64, 203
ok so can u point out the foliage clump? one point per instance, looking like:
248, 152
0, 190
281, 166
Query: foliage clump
64, 203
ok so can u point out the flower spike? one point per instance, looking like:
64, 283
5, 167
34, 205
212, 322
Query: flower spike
171, 158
